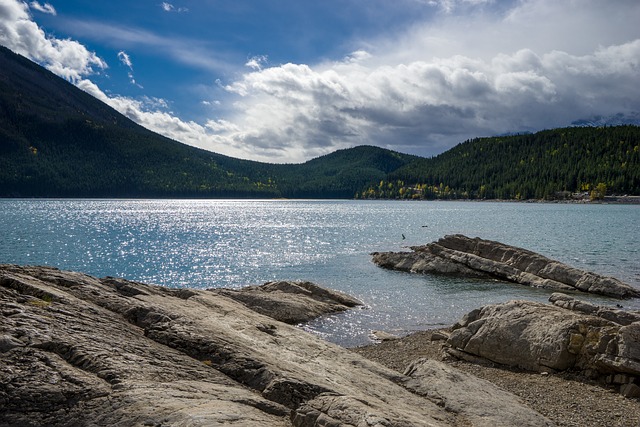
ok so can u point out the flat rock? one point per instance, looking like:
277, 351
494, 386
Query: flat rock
616, 315
479, 402
77, 350
291, 302
478, 258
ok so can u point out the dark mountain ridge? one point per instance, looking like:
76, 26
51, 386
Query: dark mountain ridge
58, 141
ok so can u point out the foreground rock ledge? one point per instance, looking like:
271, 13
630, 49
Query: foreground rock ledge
76, 350
478, 258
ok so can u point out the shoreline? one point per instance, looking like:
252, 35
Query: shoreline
608, 200
565, 398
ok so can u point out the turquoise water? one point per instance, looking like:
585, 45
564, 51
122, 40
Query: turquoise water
203, 244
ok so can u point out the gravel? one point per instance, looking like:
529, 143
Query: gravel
564, 398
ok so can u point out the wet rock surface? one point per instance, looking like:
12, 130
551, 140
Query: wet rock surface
76, 350
478, 258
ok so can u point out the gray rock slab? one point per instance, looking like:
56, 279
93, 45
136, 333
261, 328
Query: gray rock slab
479, 402
474, 257
291, 302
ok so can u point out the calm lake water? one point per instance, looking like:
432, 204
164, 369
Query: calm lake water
204, 244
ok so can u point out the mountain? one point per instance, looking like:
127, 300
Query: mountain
58, 141
340, 174
545, 164
613, 120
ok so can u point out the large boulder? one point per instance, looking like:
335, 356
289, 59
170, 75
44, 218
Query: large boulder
474, 257
76, 350
567, 335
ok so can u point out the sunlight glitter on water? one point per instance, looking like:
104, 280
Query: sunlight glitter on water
202, 244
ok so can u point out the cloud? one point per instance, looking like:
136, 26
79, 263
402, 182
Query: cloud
257, 62
44, 8
153, 114
168, 7
449, 6
422, 105
66, 58
194, 53
459, 77
125, 59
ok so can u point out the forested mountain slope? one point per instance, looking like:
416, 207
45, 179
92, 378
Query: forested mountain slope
604, 160
58, 141
340, 174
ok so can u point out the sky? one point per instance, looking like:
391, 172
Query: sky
284, 81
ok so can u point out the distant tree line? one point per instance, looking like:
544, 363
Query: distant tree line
552, 164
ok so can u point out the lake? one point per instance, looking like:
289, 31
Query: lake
232, 243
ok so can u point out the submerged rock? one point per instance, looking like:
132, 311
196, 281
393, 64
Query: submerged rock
76, 350
568, 335
478, 258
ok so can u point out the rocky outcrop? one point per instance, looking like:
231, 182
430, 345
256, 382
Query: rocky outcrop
76, 350
598, 342
463, 256
479, 402
291, 302
620, 317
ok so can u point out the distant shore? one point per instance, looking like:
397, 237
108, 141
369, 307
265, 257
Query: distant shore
621, 200
608, 200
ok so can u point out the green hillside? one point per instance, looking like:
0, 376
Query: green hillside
340, 174
544, 165
58, 141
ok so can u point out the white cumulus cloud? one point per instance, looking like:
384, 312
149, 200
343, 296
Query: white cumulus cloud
423, 105
537, 65
257, 62
67, 58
